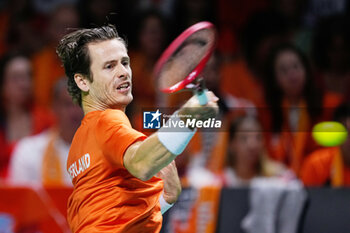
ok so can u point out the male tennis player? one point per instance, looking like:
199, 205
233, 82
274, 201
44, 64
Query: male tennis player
123, 181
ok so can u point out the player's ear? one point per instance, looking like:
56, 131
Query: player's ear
81, 82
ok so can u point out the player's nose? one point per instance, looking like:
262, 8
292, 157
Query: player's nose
123, 72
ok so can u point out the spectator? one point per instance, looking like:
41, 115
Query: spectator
231, 17
47, 67
295, 104
151, 37
19, 28
41, 159
243, 77
247, 158
151, 41
330, 166
19, 117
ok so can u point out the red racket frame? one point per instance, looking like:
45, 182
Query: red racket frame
173, 47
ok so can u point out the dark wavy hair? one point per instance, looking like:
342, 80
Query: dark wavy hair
274, 95
74, 54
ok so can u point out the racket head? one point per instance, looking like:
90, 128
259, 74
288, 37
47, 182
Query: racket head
185, 57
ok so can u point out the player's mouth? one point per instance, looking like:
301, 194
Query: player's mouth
124, 87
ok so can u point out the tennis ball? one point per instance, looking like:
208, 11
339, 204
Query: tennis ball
329, 133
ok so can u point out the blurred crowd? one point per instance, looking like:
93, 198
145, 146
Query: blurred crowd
280, 67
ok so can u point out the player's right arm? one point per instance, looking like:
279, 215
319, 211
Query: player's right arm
146, 158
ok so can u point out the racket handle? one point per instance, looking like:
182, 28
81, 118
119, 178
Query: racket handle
202, 97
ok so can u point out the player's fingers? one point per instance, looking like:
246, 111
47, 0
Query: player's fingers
211, 96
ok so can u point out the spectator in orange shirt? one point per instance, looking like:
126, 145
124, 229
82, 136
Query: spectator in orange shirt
330, 166
151, 39
40, 160
295, 103
19, 117
117, 172
47, 67
151, 35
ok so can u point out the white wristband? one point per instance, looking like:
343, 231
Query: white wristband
173, 137
164, 206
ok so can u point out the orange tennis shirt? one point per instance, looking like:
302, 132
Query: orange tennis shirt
106, 197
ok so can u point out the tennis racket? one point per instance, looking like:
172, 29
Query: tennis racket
180, 64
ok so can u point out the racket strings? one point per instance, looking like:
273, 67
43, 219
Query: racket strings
186, 57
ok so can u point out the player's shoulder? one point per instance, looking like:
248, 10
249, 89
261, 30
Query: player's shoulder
113, 113
113, 116
102, 117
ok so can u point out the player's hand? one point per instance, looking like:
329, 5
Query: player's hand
192, 108
171, 180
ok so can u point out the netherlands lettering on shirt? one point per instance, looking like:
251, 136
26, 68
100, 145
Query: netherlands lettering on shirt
79, 166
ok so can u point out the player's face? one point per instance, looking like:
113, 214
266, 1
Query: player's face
111, 72
290, 73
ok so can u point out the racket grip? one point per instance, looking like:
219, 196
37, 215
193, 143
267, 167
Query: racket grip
202, 97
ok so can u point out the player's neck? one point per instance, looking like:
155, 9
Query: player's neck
89, 106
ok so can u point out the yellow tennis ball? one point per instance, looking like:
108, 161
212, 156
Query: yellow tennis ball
329, 133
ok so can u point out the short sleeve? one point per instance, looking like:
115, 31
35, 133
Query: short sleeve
114, 135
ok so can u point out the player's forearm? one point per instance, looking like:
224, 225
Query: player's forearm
147, 158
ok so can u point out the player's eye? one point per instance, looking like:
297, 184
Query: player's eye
109, 66
125, 63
